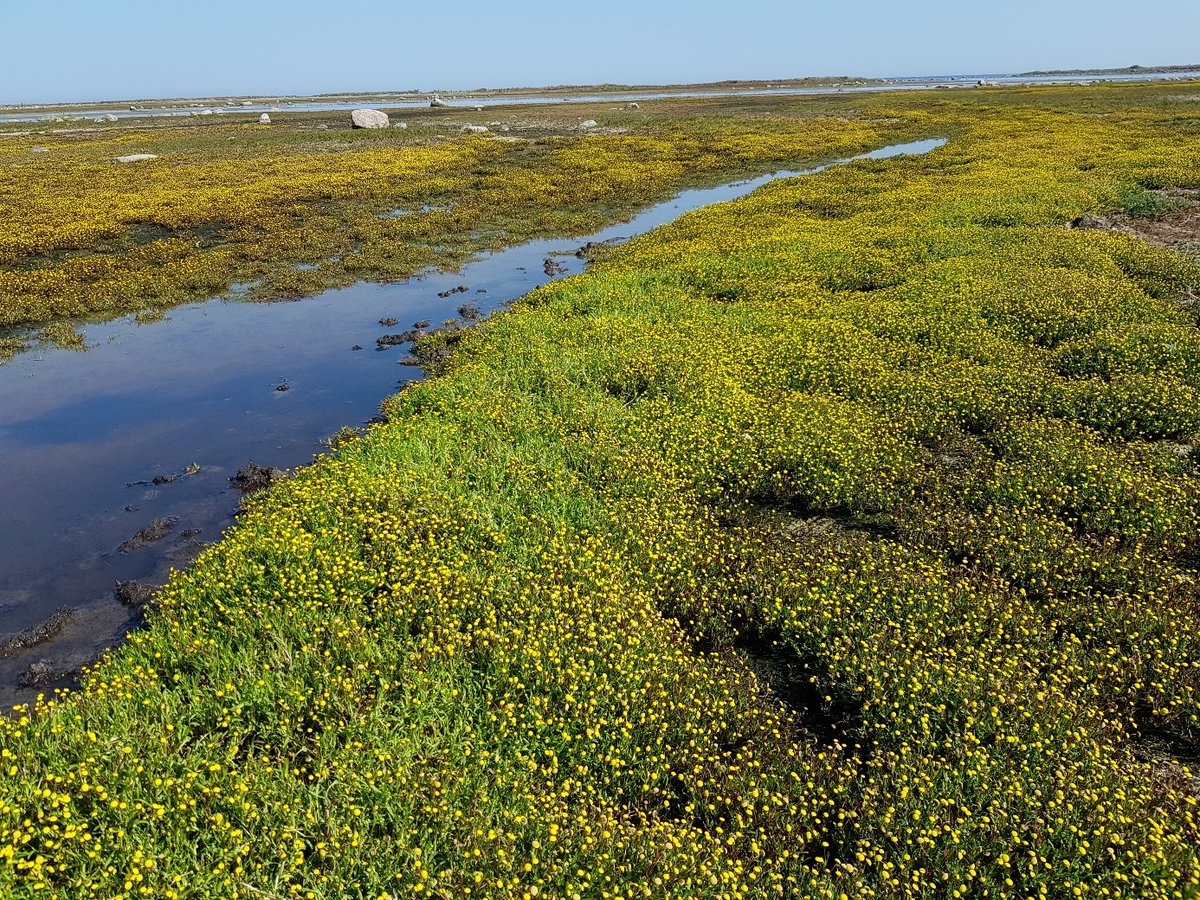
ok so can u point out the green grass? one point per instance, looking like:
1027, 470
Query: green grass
1143, 204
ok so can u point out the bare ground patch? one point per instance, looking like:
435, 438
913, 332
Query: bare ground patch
1178, 229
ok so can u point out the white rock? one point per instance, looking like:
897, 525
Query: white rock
322, 128
247, 103
590, 123
264, 119
275, 109
477, 108
400, 125
368, 118
475, 129
205, 112
438, 102
632, 106
135, 157
110, 118
39, 150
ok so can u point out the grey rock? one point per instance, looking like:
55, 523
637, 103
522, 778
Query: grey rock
368, 118
475, 129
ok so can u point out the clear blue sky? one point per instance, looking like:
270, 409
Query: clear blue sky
58, 50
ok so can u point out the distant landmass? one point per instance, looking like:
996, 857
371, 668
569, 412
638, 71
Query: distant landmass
1128, 70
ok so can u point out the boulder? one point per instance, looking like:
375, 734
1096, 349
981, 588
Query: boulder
110, 118
632, 106
135, 157
438, 103
400, 125
475, 129
264, 119
368, 118
589, 123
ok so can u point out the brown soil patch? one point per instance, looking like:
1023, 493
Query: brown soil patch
1178, 229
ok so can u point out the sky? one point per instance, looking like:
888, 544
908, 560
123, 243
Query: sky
65, 50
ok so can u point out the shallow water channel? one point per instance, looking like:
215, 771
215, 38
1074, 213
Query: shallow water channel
84, 436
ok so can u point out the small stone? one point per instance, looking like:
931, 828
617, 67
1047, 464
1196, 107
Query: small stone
39, 149
475, 129
110, 118
264, 119
589, 123
135, 157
